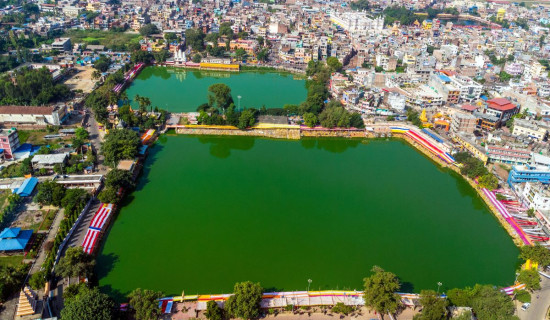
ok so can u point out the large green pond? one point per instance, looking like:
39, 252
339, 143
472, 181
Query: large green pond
212, 211
183, 90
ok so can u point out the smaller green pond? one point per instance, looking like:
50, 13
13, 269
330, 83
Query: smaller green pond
183, 90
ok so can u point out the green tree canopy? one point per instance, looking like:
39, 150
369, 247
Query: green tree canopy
195, 39
219, 96
246, 119
433, 307
213, 311
50, 193
120, 144
334, 64
118, 178
75, 263
380, 291
148, 30
245, 302
530, 278
310, 119
145, 304
536, 253
89, 304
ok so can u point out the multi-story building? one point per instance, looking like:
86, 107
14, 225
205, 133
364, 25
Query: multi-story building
507, 155
536, 195
357, 22
468, 143
529, 129
62, 44
463, 122
9, 141
468, 88
496, 112
443, 85
538, 170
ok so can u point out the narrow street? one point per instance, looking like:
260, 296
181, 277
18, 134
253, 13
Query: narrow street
540, 305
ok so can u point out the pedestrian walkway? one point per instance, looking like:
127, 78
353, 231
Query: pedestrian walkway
42, 254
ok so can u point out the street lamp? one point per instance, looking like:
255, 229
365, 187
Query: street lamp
439, 284
308, 283
239, 97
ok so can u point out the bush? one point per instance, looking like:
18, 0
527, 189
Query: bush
38, 280
522, 296
342, 308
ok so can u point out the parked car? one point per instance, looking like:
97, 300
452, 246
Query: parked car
525, 306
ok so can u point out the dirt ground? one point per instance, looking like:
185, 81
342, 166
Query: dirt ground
189, 313
29, 219
82, 80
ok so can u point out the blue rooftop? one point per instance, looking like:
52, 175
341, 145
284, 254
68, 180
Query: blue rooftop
14, 239
444, 78
27, 187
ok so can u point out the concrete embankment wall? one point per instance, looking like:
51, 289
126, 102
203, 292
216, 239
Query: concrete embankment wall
276, 133
333, 133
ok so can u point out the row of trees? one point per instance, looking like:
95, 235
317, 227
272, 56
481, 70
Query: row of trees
475, 168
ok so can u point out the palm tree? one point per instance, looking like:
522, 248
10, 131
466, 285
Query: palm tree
96, 74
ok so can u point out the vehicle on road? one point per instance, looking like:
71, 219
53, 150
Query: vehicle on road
525, 306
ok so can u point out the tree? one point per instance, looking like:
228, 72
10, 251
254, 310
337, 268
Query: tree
213, 311
195, 39
11, 279
246, 119
118, 178
75, 263
380, 291
50, 193
148, 30
536, 253
120, 144
530, 278
38, 280
488, 181
245, 302
342, 308
196, 58
108, 195
334, 64
490, 303
504, 76
310, 119
260, 40
102, 64
263, 54
90, 305
522, 296
145, 303
433, 307
74, 200
219, 96
225, 29
240, 53
81, 134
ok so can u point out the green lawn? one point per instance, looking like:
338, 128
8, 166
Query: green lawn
10, 260
110, 39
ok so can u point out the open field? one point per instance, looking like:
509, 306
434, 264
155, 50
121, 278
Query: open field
82, 79
110, 39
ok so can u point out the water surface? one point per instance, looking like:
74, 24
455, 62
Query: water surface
211, 211
183, 90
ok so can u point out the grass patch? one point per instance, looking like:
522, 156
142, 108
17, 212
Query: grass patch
110, 39
11, 260
23, 135
48, 219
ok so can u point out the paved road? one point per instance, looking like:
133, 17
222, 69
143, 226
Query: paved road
539, 306
95, 137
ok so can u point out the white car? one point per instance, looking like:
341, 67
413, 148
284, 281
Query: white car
525, 306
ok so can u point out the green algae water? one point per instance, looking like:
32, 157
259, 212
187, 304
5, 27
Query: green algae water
212, 211
183, 90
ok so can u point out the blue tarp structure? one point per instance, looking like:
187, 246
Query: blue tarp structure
14, 239
25, 150
142, 150
27, 187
